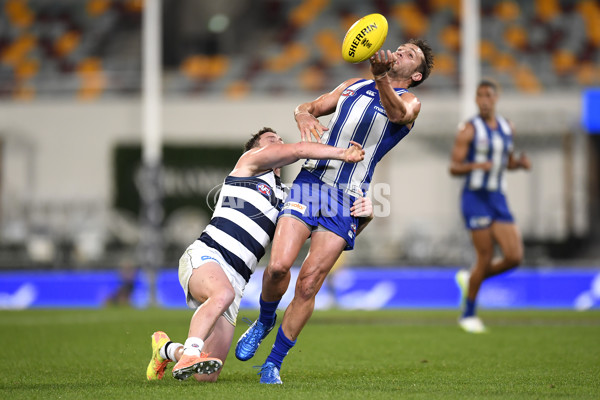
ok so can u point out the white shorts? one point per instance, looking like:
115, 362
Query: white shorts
198, 254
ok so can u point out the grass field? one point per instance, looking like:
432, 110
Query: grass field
102, 354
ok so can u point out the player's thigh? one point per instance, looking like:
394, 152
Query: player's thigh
209, 280
217, 346
508, 237
289, 238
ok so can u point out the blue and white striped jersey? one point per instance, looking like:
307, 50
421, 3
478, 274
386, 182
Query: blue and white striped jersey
489, 145
243, 223
359, 116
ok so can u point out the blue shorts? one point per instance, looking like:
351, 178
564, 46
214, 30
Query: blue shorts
316, 203
481, 208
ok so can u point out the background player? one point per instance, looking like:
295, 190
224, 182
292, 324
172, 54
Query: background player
214, 270
482, 152
377, 113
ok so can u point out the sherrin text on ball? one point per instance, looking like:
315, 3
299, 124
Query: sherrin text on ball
364, 38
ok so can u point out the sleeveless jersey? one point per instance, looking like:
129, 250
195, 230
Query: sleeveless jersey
359, 116
243, 223
489, 145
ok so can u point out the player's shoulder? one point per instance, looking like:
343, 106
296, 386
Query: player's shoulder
347, 83
467, 128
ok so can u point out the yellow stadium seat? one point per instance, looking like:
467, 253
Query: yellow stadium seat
526, 81
507, 10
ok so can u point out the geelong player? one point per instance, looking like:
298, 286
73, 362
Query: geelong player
214, 269
483, 151
376, 113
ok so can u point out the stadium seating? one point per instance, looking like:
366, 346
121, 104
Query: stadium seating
90, 49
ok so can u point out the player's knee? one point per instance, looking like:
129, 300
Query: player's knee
513, 259
484, 257
278, 269
308, 286
224, 298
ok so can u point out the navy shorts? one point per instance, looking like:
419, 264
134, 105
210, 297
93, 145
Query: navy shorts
481, 208
317, 204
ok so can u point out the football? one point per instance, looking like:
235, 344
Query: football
364, 38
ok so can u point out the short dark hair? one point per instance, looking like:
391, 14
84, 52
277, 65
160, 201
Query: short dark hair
427, 63
488, 83
254, 139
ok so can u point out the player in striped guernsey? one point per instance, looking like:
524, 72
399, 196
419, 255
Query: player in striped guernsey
377, 113
483, 151
214, 269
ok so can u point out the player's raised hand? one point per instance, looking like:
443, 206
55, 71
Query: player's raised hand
362, 207
309, 126
354, 153
382, 62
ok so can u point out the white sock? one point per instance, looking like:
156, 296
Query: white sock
168, 350
193, 346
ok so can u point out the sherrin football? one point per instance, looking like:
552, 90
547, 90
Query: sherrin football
364, 38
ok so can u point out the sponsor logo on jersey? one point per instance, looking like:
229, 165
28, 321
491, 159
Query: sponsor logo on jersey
290, 205
380, 110
370, 93
264, 189
348, 92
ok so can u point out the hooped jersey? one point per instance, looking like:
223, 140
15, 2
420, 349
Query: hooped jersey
489, 145
360, 117
243, 222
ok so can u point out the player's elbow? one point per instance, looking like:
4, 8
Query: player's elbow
399, 118
453, 170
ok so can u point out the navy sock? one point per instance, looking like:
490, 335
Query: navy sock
267, 311
469, 308
280, 348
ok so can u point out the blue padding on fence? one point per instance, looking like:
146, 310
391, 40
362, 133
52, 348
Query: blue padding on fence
351, 288
590, 113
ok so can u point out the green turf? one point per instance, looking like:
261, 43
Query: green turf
102, 354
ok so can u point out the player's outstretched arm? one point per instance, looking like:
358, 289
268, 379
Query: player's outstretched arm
402, 110
279, 155
306, 114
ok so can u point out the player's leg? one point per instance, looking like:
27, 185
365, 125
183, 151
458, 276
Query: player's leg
289, 238
210, 286
484, 250
508, 237
324, 251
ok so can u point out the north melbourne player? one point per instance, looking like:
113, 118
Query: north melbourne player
377, 113
482, 153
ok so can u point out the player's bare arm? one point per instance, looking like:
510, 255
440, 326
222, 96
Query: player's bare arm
458, 166
402, 110
306, 114
273, 156
517, 162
